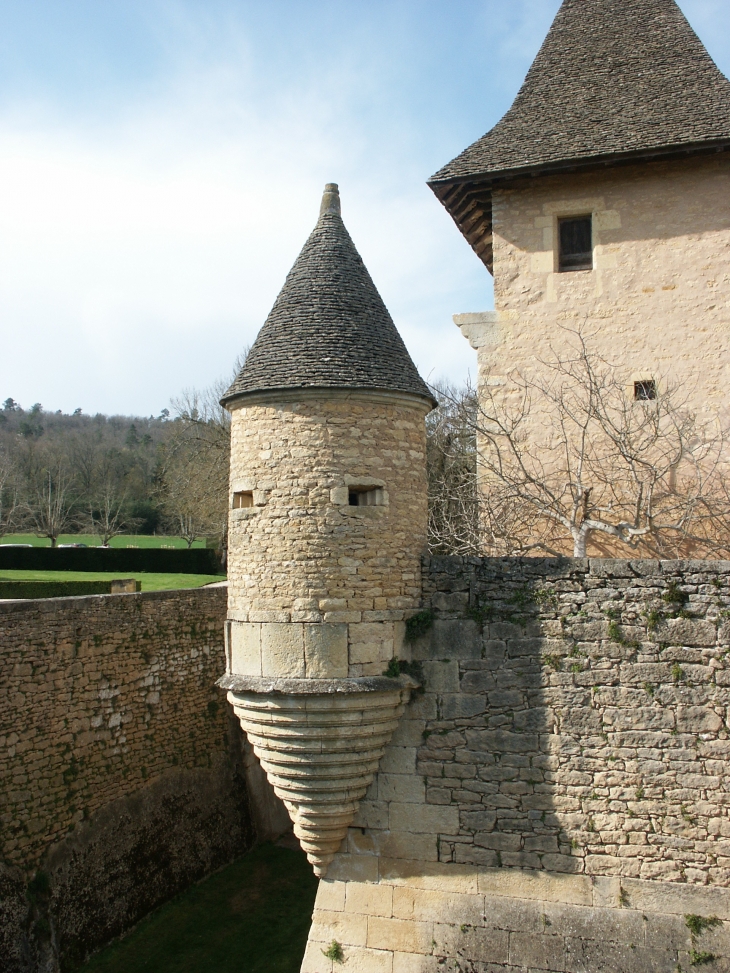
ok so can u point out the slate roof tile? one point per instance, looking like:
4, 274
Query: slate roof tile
329, 327
613, 77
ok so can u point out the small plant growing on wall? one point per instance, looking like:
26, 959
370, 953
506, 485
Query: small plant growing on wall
334, 952
400, 667
418, 625
697, 925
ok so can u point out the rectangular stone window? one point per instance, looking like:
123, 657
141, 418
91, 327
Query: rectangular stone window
366, 496
242, 499
575, 237
645, 390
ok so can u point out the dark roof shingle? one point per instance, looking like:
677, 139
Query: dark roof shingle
613, 77
329, 327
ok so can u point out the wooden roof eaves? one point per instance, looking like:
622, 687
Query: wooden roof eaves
489, 180
470, 207
464, 196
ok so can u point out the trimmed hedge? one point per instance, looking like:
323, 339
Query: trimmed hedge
197, 560
53, 589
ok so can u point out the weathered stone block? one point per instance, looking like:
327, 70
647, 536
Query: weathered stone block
325, 651
450, 638
411, 936
369, 900
245, 648
406, 788
282, 650
330, 896
347, 928
436, 906
441, 677
480, 945
424, 819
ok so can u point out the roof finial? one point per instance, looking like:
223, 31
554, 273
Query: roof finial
330, 200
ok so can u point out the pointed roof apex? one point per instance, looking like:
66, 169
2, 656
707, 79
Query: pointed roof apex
614, 81
613, 77
330, 200
329, 327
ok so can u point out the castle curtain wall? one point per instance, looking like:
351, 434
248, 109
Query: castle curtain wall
557, 798
121, 769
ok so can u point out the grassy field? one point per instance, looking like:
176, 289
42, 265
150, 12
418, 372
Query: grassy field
251, 917
126, 540
150, 582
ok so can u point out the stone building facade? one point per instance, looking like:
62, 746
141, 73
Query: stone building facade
623, 122
601, 205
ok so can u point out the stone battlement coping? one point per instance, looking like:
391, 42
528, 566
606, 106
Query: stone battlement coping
557, 566
26, 606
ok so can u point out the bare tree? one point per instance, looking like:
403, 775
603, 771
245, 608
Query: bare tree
193, 502
9, 493
567, 459
196, 463
451, 462
49, 508
106, 515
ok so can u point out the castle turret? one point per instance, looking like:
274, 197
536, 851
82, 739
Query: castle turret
327, 529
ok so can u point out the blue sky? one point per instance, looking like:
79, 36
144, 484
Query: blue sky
161, 164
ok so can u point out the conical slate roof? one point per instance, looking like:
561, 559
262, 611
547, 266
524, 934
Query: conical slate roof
613, 78
329, 327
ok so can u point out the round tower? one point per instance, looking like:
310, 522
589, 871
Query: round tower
327, 528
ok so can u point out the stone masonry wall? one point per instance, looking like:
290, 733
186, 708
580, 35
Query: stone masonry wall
558, 797
658, 299
317, 586
121, 769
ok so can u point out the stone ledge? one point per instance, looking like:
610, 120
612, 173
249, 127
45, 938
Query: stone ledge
314, 687
30, 606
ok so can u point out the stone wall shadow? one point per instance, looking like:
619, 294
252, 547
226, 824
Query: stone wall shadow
506, 705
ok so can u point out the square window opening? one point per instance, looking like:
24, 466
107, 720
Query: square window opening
242, 499
576, 243
645, 390
366, 496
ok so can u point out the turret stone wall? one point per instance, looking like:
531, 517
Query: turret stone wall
319, 587
557, 798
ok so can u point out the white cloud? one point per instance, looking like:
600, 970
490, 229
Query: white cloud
138, 256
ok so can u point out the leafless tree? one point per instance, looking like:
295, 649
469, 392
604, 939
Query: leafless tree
106, 515
567, 458
196, 463
9, 493
451, 462
193, 502
49, 506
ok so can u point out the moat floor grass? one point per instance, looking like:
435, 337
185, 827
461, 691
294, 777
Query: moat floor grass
150, 582
251, 917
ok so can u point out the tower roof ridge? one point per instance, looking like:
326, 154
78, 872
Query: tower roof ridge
612, 78
329, 327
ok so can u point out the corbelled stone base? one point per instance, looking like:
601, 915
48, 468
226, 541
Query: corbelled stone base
320, 742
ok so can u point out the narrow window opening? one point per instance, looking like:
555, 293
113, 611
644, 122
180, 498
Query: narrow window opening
576, 243
366, 497
645, 390
243, 498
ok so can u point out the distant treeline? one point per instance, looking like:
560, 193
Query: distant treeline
109, 475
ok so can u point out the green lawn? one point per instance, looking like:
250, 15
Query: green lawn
150, 582
251, 917
126, 540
